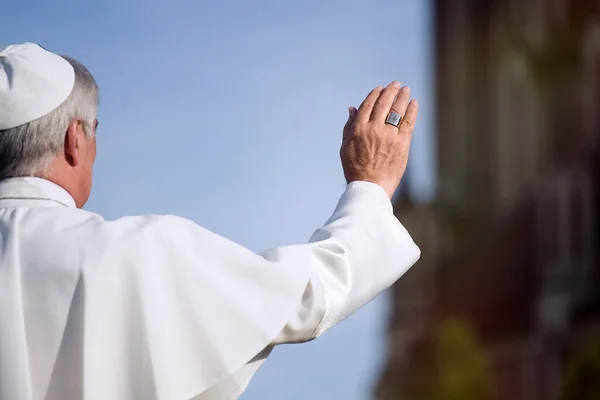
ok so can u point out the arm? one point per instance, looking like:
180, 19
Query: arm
361, 251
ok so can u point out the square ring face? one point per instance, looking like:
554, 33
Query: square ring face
393, 119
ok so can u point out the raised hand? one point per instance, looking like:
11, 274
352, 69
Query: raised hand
376, 151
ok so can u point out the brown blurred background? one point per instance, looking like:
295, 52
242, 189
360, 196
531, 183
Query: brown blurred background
504, 303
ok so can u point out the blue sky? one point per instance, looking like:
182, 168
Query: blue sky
230, 114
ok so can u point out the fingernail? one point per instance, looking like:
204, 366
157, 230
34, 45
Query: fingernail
405, 89
396, 84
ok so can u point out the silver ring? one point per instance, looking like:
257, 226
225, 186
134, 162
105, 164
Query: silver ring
393, 119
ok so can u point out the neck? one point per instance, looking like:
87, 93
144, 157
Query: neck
64, 177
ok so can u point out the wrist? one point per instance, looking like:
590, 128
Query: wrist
386, 187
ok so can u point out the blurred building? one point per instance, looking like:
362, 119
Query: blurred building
510, 245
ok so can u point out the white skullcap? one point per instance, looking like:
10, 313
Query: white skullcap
33, 82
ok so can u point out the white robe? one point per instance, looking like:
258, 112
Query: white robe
156, 307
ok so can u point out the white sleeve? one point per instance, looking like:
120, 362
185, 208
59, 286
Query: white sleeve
361, 251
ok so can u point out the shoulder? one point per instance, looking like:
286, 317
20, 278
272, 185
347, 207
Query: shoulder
151, 227
82, 222
155, 239
87, 236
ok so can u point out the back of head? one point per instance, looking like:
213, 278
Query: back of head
29, 148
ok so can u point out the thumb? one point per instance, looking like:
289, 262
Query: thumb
351, 115
352, 112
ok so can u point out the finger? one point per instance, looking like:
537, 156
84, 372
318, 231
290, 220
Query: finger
407, 125
348, 126
382, 106
401, 102
364, 111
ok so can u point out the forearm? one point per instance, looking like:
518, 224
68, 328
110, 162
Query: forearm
360, 252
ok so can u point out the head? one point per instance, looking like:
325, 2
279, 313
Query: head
61, 145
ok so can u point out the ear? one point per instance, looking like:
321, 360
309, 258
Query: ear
73, 141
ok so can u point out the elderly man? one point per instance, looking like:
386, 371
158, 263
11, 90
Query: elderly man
156, 307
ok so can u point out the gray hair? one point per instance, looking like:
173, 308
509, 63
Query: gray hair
26, 150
